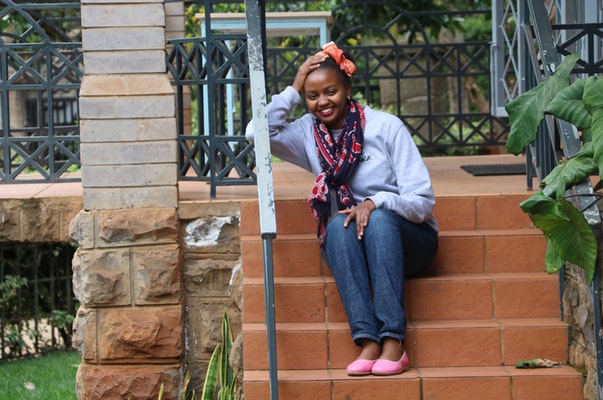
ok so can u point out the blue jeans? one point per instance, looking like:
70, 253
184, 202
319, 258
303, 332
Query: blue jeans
392, 248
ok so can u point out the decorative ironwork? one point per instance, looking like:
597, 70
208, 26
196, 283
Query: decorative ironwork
584, 39
37, 303
392, 74
212, 144
40, 76
432, 87
40, 68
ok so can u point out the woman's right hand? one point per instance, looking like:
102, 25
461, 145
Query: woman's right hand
312, 63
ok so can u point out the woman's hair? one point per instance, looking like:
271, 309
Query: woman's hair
330, 64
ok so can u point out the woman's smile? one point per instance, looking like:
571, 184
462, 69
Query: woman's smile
326, 97
326, 111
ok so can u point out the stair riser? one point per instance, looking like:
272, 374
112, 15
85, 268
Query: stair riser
492, 252
459, 253
458, 298
499, 388
452, 213
299, 257
427, 346
481, 212
414, 388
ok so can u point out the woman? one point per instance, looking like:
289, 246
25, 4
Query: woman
372, 199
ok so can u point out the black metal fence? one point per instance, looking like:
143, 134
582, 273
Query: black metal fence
440, 90
439, 87
40, 76
211, 140
430, 85
37, 303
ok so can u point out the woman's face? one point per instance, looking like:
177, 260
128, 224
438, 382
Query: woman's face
326, 95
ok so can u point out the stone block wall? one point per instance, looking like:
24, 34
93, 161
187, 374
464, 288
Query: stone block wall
129, 327
153, 286
578, 312
127, 269
212, 282
153, 275
37, 219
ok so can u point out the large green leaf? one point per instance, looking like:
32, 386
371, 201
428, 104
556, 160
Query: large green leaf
586, 135
528, 110
211, 377
220, 375
227, 375
568, 105
593, 101
593, 93
567, 232
552, 260
538, 203
569, 173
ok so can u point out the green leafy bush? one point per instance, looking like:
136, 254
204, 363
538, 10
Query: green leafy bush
569, 235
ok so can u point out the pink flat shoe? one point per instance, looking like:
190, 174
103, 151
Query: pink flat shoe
360, 367
386, 367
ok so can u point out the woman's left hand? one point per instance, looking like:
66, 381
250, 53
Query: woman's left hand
361, 213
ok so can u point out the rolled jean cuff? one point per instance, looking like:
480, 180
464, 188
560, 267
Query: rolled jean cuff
358, 338
396, 336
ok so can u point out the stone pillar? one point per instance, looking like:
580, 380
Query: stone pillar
127, 272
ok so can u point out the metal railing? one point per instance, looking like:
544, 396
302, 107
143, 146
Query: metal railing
434, 86
430, 85
37, 303
40, 75
40, 72
211, 144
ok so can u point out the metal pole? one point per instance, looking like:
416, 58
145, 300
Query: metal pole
254, 15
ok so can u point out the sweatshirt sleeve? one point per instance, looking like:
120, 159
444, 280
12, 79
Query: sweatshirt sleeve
414, 199
287, 140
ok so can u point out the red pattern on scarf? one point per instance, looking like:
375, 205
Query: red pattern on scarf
338, 161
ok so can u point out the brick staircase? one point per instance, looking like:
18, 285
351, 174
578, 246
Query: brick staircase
488, 305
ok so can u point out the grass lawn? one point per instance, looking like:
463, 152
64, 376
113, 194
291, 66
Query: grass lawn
49, 377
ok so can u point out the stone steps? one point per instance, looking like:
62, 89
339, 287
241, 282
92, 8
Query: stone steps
487, 304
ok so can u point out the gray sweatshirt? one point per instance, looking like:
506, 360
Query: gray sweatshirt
391, 172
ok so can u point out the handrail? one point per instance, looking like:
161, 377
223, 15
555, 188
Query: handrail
255, 13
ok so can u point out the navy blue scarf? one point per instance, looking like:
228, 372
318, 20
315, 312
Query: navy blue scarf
338, 160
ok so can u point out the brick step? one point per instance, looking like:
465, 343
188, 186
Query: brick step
494, 251
481, 212
447, 297
452, 212
486, 304
466, 383
462, 343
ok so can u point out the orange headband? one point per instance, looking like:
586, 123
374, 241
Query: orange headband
331, 50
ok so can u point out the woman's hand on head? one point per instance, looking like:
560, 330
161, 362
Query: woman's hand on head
361, 213
312, 63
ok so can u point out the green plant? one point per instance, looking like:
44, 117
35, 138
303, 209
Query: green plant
220, 379
14, 333
62, 320
570, 237
9, 287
